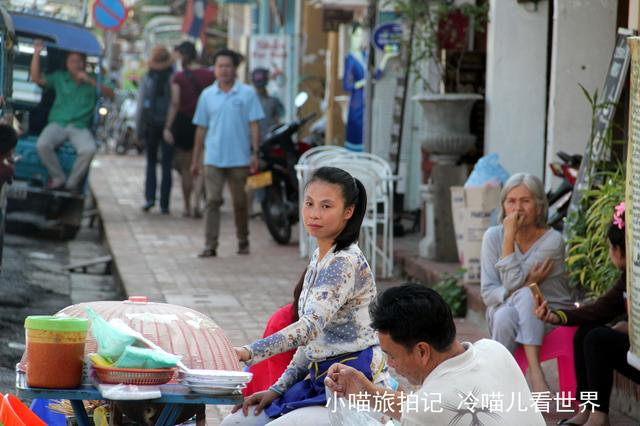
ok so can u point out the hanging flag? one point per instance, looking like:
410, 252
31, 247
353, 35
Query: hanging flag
197, 17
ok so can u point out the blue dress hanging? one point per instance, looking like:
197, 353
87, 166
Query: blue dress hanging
354, 71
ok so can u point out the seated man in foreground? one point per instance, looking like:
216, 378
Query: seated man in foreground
461, 383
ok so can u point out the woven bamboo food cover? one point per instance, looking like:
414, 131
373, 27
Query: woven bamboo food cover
176, 329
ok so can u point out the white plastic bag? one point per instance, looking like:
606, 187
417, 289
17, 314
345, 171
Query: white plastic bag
487, 171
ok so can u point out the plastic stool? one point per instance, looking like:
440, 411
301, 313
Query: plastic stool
557, 344
14, 413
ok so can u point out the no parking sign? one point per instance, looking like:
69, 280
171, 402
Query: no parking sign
109, 14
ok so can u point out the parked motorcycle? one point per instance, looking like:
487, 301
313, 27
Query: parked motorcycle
279, 155
560, 197
126, 138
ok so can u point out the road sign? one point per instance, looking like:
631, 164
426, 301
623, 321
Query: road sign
389, 34
109, 14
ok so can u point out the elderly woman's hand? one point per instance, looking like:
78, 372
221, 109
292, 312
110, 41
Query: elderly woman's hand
540, 271
511, 223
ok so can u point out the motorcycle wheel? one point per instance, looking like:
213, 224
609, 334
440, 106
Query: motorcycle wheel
558, 211
274, 211
123, 142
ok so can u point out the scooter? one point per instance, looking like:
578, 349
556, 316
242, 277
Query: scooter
126, 137
279, 155
560, 197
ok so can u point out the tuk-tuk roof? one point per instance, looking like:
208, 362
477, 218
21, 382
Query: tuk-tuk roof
59, 34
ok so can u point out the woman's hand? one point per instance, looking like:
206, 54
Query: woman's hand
195, 169
259, 399
622, 327
543, 313
243, 354
167, 136
540, 271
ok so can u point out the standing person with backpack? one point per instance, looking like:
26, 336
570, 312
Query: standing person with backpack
186, 87
153, 105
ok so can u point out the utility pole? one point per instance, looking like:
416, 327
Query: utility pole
372, 15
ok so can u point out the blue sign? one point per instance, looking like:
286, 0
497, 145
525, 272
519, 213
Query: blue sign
109, 14
387, 36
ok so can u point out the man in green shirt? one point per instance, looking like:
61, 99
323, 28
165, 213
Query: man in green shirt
70, 117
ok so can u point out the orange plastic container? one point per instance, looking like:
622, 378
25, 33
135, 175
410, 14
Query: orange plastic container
14, 413
55, 351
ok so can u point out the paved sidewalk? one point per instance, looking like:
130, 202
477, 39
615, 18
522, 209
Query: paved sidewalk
155, 254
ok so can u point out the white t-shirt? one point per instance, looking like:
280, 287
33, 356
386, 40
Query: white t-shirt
484, 382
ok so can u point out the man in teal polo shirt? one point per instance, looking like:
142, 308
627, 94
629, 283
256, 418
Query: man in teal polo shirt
227, 131
70, 117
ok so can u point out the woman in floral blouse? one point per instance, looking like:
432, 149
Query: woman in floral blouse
334, 322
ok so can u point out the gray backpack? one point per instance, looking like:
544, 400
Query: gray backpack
156, 96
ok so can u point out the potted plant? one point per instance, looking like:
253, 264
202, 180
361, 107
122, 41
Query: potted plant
450, 288
434, 28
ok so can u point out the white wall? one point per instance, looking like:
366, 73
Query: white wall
584, 33
516, 84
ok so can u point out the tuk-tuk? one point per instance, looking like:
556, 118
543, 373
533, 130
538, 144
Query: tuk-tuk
29, 198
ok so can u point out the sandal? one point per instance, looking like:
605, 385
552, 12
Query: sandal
207, 253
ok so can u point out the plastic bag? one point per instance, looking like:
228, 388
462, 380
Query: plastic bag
487, 171
111, 340
134, 357
100, 416
342, 413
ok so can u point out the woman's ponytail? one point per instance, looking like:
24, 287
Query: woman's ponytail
351, 232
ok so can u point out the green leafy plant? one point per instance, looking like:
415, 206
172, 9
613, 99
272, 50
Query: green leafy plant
588, 250
453, 292
590, 269
429, 24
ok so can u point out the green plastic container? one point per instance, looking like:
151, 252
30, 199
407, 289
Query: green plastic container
55, 351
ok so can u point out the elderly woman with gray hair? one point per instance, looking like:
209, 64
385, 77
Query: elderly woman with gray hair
520, 251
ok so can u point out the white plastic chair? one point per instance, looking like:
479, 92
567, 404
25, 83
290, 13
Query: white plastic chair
363, 171
384, 198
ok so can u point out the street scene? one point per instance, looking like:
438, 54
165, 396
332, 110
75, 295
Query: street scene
319, 212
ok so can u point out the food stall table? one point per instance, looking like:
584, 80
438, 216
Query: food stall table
174, 396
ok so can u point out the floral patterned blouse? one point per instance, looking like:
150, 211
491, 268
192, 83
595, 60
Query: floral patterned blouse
334, 317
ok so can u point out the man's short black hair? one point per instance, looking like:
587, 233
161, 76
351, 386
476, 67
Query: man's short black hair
412, 313
236, 58
8, 138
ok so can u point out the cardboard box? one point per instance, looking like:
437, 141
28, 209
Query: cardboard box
474, 211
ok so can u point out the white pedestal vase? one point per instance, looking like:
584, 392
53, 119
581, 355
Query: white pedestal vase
447, 137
